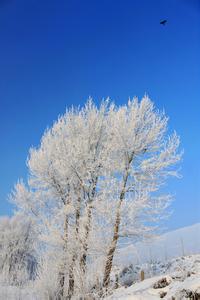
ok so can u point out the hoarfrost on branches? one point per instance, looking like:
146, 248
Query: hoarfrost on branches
95, 178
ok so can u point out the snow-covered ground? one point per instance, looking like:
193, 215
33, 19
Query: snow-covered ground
179, 279
174, 255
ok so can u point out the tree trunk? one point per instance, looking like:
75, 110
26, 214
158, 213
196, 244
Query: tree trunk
65, 200
91, 196
110, 255
113, 245
85, 242
62, 273
71, 267
61, 285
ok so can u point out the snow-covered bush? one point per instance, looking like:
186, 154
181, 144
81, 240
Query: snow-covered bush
18, 262
46, 282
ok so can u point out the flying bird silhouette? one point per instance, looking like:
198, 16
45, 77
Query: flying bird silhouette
163, 22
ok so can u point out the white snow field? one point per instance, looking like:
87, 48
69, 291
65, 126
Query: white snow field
180, 279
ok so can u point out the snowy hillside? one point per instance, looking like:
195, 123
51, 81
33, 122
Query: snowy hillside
183, 241
179, 279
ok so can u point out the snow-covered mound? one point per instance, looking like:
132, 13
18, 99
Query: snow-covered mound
180, 280
180, 242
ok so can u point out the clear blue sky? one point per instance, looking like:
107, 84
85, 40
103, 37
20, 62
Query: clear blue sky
56, 53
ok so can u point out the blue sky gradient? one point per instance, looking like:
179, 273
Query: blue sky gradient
57, 53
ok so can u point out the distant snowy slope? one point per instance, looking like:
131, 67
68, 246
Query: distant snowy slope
183, 241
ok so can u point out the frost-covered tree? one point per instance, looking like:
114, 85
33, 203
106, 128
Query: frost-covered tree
18, 263
64, 173
145, 157
97, 177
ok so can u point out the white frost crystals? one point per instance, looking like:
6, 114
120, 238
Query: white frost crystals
95, 178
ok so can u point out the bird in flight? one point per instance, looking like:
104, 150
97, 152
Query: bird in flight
163, 22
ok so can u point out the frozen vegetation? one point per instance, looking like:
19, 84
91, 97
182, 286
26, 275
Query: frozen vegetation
94, 183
